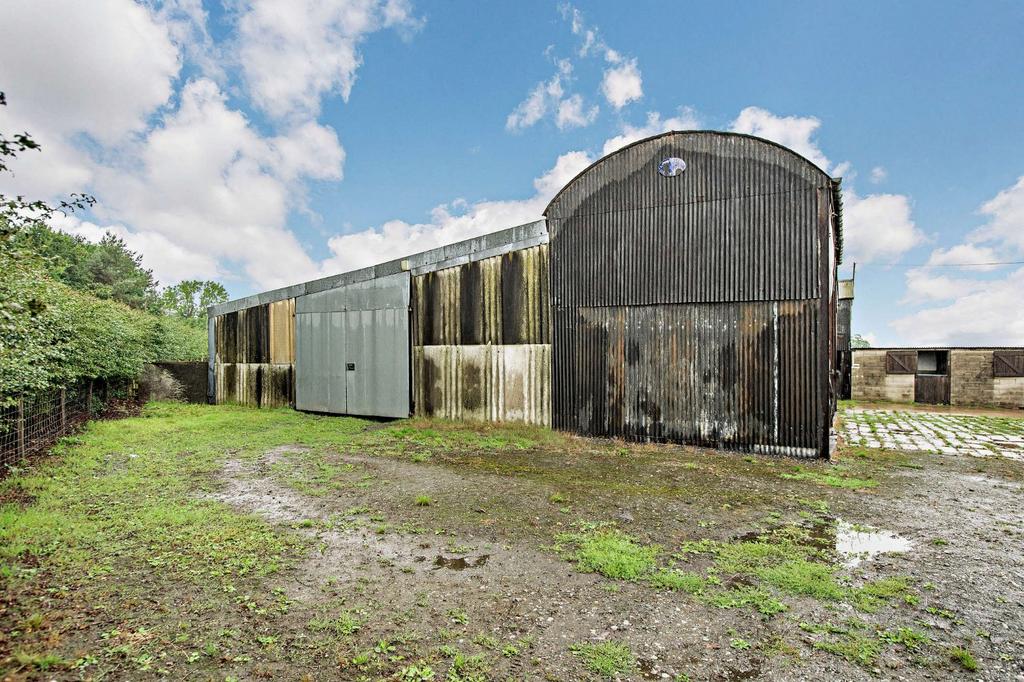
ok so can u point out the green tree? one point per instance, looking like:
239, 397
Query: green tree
859, 341
107, 270
191, 298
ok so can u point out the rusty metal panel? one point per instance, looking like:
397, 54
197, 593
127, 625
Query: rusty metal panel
740, 375
484, 382
504, 299
282, 331
352, 348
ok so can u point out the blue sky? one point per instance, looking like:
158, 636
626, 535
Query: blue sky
263, 142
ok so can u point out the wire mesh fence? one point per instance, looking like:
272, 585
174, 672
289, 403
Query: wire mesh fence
36, 421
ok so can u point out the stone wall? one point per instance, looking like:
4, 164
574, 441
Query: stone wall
970, 377
970, 381
1008, 392
871, 383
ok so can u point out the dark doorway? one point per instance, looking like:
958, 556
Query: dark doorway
931, 384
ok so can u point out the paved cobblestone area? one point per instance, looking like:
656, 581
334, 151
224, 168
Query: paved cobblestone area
954, 434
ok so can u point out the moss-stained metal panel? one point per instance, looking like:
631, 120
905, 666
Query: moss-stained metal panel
734, 375
282, 331
500, 300
254, 384
484, 382
244, 336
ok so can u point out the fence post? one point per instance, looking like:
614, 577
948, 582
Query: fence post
63, 412
20, 426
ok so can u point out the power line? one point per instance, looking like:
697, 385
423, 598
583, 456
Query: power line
941, 265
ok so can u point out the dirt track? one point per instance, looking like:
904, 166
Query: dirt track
483, 548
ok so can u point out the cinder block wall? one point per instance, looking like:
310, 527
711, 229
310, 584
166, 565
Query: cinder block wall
1008, 392
871, 383
970, 377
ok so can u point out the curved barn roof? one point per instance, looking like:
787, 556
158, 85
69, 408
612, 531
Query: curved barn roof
738, 164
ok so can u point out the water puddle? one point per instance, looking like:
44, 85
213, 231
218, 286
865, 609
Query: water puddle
855, 543
851, 543
460, 563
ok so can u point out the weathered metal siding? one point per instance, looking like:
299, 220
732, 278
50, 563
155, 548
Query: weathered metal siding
282, 331
484, 383
695, 308
252, 363
254, 384
499, 300
353, 349
731, 374
482, 335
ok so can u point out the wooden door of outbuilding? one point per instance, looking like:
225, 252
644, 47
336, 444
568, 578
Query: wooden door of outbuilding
932, 389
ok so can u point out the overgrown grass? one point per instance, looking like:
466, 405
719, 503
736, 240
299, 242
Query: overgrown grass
123, 516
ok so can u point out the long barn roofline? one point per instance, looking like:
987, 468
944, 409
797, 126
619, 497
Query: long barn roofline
449, 255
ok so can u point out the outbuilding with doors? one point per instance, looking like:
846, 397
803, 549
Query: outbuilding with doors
940, 376
681, 289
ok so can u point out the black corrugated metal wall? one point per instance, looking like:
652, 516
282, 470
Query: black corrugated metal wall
695, 308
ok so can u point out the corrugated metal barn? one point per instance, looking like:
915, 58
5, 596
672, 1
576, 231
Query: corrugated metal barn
681, 289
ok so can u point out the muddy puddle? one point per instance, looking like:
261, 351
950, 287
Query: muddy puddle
460, 563
855, 543
850, 543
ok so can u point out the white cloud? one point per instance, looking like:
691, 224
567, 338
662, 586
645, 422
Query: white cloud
294, 52
450, 222
571, 113
544, 97
988, 314
1005, 214
170, 262
622, 83
927, 285
100, 68
686, 119
965, 253
982, 311
877, 227
206, 180
795, 132
548, 97
878, 175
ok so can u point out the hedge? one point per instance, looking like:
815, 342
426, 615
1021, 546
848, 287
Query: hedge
52, 335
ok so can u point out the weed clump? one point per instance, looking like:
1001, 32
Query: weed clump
964, 658
607, 658
612, 553
673, 580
